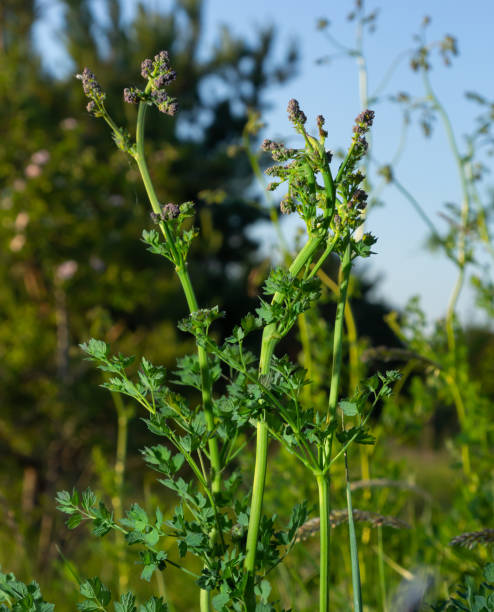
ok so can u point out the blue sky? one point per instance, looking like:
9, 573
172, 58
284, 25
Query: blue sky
427, 168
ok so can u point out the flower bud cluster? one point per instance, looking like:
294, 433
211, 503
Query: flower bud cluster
278, 150
288, 205
168, 212
363, 123
358, 201
92, 90
295, 115
159, 74
322, 132
132, 95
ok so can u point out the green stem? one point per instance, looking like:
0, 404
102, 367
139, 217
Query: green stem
205, 601
380, 563
183, 275
306, 352
269, 341
346, 266
357, 588
324, 538
465, 210
256, 509
418, 208
117, 502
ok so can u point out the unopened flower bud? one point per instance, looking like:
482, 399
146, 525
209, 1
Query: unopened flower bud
162, 57
172, 109
146, 68
295, 115
131, 96
358, 199
363, 122
164, 79
170, 211
288, 205
320, 122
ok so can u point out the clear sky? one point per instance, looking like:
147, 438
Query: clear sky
427, 168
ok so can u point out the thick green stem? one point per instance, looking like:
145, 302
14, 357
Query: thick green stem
346, 266
205, 601
324, 538
269, 340
357, 589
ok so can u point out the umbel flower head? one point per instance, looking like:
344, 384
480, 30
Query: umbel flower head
159, 74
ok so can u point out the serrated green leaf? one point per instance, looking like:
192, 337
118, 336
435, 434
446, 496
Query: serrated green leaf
348, 408
219, 601
489, 573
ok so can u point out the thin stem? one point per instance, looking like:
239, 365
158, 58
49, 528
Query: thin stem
380, 564
351, 328
465, 210
183, 275
188, 289
462, 419
418, 208
357, 588
117, 502
324, 538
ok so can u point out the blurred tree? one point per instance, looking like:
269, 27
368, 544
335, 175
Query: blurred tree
72, 212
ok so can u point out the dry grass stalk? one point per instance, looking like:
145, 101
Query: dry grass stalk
337, 517
471, 539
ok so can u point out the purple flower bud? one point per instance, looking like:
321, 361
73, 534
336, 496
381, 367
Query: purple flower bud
358, 199
288, 205
155, 217
266, 145
320, 122
172, 109
164, 79
170, 211
131, 96
162, 57
363, 122
90, 85
91, 107
159, 96
146, 68
295, 115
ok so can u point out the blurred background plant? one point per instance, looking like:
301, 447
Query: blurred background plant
72, 267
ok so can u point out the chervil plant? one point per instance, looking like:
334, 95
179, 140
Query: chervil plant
219, 517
